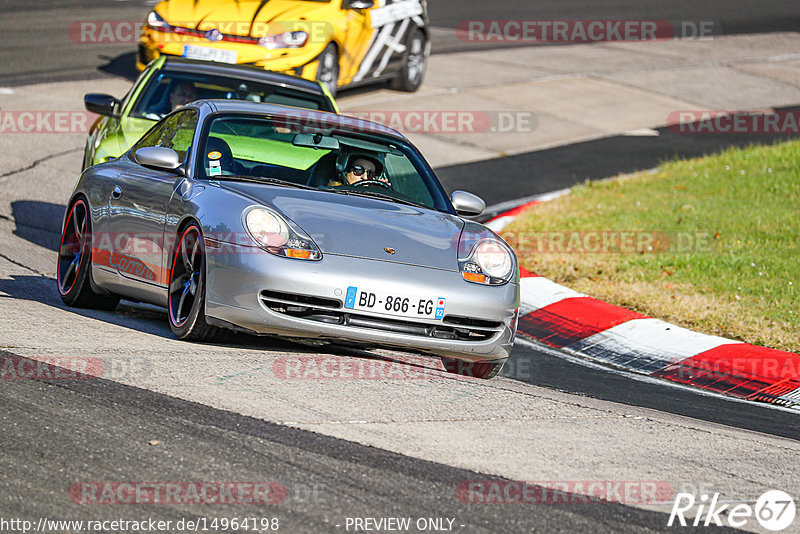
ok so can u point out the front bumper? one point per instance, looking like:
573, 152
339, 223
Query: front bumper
295, 61
261, 293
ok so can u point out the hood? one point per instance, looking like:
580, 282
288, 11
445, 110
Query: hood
363, 227
240, 17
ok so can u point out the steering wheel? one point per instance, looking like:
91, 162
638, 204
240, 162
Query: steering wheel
367, 183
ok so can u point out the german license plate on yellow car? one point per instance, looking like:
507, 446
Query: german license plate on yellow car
209, 54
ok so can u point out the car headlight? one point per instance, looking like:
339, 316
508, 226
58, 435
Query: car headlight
277, 236
490, 262
296, 39
157, 22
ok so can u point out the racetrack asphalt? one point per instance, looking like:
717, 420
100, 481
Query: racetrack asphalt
217, 412
90, 431
543, 171
40, 28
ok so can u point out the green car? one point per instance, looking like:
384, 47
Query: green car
170, 82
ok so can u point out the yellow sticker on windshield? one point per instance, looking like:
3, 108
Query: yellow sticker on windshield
214, 155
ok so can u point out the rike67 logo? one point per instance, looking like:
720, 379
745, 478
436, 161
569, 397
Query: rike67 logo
774, 511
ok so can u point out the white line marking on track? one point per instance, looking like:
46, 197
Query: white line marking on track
641, 132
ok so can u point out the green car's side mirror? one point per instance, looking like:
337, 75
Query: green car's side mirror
102, 104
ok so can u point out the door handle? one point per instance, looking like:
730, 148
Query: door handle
117, 192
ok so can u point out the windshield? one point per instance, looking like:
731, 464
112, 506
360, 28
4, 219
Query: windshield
339, 162
166, 91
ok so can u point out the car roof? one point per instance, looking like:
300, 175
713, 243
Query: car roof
322, 118
175, 63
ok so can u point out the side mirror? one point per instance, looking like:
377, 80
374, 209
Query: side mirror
467, 203
102, 104
360, 4
158, 157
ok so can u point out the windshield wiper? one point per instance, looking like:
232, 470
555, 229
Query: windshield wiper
376, 194
261, 180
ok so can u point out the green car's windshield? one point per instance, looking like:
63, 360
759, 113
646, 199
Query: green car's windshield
167, 91
338, 161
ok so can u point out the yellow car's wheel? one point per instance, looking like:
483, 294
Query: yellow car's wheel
414, 63
328, 69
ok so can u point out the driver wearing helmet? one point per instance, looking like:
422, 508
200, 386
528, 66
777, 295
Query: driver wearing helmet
361, 168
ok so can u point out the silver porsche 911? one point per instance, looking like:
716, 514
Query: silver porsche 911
271, 220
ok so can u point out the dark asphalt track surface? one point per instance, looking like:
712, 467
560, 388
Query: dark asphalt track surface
734, 16
40, 28
542, 369
58, 57
533, 173
94, 430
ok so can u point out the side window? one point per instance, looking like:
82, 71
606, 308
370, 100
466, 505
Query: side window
175, 132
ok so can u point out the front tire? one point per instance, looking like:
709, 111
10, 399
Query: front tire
480, 369
74, 266
187, 288
328, 68
414, 63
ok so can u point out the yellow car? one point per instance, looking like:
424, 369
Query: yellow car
336, 42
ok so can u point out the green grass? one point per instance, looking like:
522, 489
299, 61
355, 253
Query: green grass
747, 205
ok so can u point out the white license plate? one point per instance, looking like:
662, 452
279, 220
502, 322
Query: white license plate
410, 306
209, 54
